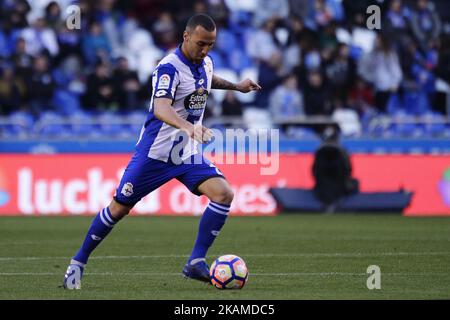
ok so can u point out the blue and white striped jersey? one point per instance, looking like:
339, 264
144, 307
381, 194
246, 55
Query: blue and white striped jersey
188, 85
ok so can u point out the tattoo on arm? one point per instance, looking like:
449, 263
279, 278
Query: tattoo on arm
219, 83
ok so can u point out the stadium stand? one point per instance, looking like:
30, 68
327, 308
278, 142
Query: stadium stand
375, 84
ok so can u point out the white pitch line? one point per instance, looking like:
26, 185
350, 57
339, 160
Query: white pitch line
262, 255
161, 274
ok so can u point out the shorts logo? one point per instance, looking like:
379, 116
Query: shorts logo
127, 189
164, 81
160, 93
201, 81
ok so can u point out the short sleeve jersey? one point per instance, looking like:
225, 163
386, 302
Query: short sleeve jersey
187, 85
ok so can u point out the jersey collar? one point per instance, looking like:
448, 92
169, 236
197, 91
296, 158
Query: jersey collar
185, 60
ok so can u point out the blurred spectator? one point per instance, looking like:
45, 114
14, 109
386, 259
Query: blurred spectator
165, 31
261, 45
69, 42
361, 96
12, 90
22, 60
320, 15
271, 39
95, 44
381, 67
219, 12
299, 8
316, 95
231, 106
126, 85
425, 23
39, 37
114, 25
41, 85
341, 72
268, 78
286, 100
277, 10
100, 93
53, 15
397, 22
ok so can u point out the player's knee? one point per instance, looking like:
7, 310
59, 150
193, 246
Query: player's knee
225, 196
118, 211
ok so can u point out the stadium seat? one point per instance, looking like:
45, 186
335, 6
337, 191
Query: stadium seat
219, 62
256, 118
434, 124
141, 39
81, 124
52, 125
135, 121
66, 102
416, 102
404, 125
226, 74
18, 124
111, 125
146, 61
225, 41
238, 60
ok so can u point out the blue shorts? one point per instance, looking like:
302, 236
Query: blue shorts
144, 175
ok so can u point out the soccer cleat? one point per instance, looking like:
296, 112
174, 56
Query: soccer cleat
198, 271
72, 278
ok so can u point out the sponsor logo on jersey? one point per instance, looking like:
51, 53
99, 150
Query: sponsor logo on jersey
195, 103
164, 81
160, 93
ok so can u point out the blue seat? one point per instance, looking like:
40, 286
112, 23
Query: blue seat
435, 124
404, 125
238, 60
218, 60
225, 41
81, 124
20, 125
135, 121
416, 102
52, 125
111, 124
66, 102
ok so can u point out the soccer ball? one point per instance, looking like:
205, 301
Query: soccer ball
228, 272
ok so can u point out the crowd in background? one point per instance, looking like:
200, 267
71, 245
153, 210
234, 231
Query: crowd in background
311, 57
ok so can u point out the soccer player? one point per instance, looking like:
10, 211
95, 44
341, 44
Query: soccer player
167, 149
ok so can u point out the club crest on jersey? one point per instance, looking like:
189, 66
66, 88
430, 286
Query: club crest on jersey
127, 189
164, 81
195, 103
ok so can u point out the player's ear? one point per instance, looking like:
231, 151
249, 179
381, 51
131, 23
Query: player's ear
185, 35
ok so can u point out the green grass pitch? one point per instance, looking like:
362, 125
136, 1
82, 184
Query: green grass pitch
288, 256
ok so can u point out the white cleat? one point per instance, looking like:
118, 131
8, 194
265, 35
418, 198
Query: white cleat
72, 278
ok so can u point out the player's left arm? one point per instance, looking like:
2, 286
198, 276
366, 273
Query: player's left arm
244, 86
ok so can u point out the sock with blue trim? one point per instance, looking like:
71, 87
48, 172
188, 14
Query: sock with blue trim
210, 225
100, 227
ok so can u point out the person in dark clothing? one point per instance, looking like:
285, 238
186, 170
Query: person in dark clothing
316, 95
41, 85
126, 85
332, 171
100, 94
